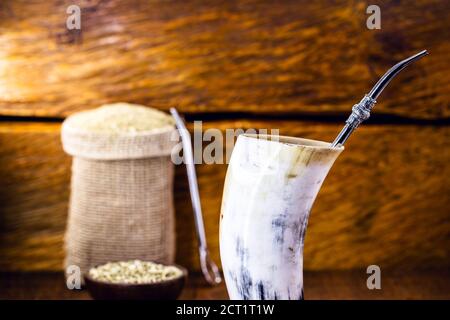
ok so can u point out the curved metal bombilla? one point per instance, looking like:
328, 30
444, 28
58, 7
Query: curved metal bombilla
361, 111
209, 268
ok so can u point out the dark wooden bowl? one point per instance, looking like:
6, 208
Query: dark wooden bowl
165, 290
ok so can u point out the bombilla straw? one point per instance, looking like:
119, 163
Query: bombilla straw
361, 111
209, 268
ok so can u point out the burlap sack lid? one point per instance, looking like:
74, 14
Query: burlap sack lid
119, 131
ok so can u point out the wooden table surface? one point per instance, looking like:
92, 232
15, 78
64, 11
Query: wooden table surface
425, 284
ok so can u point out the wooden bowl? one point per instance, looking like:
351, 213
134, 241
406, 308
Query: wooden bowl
165, 290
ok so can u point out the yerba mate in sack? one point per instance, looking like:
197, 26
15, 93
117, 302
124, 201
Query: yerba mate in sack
121, 202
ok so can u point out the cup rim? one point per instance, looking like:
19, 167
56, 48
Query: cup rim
294, 141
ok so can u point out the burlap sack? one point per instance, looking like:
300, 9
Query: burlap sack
121, 202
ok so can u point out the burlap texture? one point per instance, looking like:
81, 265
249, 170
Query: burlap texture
121, 202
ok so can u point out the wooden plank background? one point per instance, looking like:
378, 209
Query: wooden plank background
324, 285
297, 66
224, 56
384, 201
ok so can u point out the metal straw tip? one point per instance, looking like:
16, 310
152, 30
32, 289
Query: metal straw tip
392, 72
413, 58
419, 55
423, 53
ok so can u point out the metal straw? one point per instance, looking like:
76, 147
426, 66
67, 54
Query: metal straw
361, 111
209, 268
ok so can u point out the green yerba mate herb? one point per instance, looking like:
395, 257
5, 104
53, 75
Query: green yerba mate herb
134, 272
120, 118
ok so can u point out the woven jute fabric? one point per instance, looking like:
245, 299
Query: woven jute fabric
121, 202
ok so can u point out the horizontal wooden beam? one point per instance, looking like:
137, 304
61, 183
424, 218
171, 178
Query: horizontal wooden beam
384, 202
294, 57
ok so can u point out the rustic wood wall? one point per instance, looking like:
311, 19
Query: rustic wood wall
297, 66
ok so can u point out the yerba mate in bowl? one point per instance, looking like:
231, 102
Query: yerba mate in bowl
135, 280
